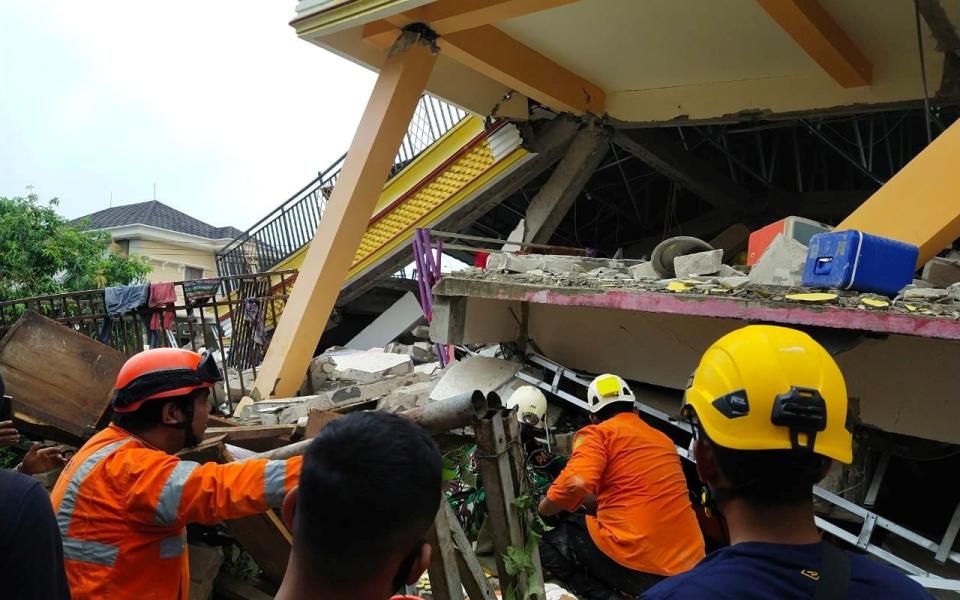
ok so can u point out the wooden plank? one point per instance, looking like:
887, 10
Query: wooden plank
317, 419
251, 432
471, 572
59, 377
444, 575
265, 538
495, 468
215, 421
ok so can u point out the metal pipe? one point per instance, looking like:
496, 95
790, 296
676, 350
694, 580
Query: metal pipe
437, 417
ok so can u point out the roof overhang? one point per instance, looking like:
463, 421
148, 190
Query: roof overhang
139, 231
653, 61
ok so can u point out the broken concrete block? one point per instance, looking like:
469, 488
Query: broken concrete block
728, 271
512, 263
421, 332
953, 292
366, 367
559, 266
643, 271
928, 294
320, 370
422, 352
700, 263
781, 264
407, 397
293, 409
942, 272
427, 368
474, 373
735, 282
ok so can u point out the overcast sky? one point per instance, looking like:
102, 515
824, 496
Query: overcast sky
218, 103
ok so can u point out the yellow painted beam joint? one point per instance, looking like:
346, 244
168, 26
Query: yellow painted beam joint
920, 205
822, 38
328, 259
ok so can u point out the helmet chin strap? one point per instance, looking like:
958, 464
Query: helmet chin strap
189, 437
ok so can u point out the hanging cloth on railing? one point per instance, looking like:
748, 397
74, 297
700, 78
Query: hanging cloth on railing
119, 300
199, 291
253, 314
162, 296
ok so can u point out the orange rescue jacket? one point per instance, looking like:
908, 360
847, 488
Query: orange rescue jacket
122, 506
644, 518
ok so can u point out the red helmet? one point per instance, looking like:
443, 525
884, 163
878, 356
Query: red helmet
162, 373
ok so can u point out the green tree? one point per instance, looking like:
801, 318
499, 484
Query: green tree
43, 253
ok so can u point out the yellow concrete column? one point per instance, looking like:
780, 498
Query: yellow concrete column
402, 80
920, 204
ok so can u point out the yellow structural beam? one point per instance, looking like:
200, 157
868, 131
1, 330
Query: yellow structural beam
402, 80
491, 52
920, 204
823, 39
450, 16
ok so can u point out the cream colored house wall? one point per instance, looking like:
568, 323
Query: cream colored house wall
168, 260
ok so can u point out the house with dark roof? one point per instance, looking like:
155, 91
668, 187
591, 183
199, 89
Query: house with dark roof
178, 246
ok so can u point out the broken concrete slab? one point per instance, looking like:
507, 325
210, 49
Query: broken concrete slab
407, 397
643, 271
512, 263
928, 294
292, 409
396, 320
728, 271
430, 368
419, 352
781, 264
699, 263
558, 265
474, 373
421, 332
370, 366
320, 370
735, 283
942, 272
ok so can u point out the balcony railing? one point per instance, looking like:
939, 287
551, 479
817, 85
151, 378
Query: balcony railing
291, 226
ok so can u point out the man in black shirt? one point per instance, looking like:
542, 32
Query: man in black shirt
31, 553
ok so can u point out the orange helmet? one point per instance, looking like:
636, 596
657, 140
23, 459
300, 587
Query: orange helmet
162, 373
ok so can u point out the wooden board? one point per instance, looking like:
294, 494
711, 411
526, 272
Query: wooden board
251, 432
57, 376
317, 419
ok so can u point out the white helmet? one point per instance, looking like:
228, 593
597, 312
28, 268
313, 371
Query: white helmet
531, 405
607, 389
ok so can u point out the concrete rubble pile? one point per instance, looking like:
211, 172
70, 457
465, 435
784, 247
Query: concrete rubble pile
775, 278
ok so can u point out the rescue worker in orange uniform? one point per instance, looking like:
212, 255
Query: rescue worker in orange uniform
626, 475
123, 501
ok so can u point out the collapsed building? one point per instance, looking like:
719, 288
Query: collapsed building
556, 146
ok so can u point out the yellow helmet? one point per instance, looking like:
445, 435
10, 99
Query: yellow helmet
771, 388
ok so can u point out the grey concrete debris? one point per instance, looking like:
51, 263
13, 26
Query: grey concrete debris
942, 272
419, 352
293, 409
782, 263
728, 271
735, 282
512, 263
643, 271
320, 370
928, 294
699, 263
474, 373
558, 265
421, 332
369, 366
407, 397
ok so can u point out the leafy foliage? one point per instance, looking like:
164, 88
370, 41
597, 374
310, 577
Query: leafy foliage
42, 253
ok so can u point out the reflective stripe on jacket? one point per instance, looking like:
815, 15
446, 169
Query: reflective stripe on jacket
122, 508
644, 518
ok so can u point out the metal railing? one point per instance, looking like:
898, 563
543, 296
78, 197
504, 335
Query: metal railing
291, 226
234, 318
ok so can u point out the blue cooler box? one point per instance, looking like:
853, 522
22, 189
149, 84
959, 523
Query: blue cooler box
853, 260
